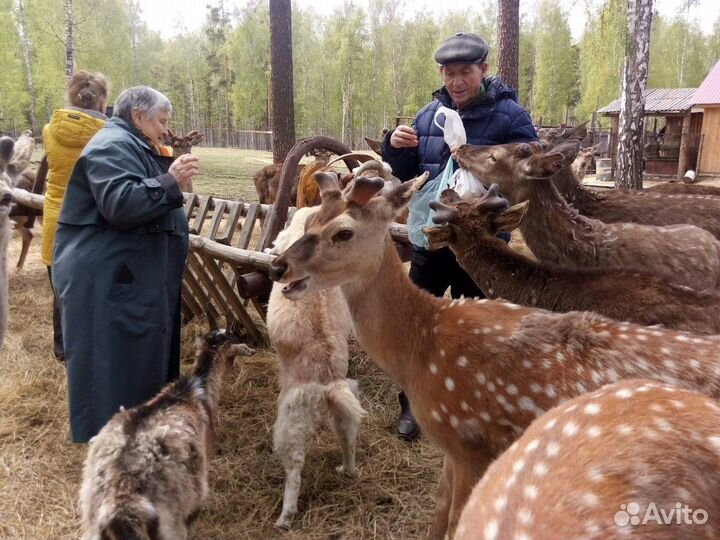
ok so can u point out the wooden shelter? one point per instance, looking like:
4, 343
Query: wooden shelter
707, 97
672, 131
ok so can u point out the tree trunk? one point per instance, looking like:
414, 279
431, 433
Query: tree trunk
632, 103
69, 48
26, 45
281, 78
508, 41
683, 157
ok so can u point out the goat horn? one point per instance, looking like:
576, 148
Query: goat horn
371, 165
362, 158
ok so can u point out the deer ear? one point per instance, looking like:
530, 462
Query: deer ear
363, 189
510, 219
401, 195
171, 135
569, 151
327, 182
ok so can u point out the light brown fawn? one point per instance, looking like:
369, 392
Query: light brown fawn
477, 373
635, 459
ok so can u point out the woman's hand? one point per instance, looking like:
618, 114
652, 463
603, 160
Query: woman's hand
183, 169
403, 137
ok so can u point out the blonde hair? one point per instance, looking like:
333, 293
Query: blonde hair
86, 90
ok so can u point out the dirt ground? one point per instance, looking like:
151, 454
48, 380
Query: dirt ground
393, 497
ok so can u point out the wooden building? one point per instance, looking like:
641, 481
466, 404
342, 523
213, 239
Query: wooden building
672, 131
707, 98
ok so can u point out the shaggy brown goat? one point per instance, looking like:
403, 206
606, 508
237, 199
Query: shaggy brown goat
267, 179
146, 472
556, 233
477, 373
634, 445
500, 272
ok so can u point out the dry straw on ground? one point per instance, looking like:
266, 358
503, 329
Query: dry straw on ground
393, 497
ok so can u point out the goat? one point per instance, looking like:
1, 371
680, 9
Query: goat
556, 233
310, 337
376, 146
145, 475
597, 465
5, 232
500, 272
476, 373
14, 161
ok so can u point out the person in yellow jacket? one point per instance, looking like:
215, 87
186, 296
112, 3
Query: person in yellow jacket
64, 137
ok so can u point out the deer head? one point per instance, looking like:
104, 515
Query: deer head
466, 219
183, 145
550, 137
345, 237
583, 160
510, 165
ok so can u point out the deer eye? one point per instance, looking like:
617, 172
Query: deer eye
343, 236
492, 159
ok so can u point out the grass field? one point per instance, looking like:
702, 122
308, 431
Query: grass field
40, 470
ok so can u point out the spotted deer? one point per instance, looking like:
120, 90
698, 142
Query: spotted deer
471, 224
635, 459
477, 373
556, 233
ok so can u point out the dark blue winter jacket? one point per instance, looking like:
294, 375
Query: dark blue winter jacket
496, 118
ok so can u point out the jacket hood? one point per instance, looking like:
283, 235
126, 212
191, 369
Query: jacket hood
75, 127
495, 90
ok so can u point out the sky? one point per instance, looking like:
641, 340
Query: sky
189, 15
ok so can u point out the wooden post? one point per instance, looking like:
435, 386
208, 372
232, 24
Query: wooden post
684, 147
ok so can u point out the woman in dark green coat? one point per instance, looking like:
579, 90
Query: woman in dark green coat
118, 262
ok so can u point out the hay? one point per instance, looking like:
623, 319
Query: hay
40, 470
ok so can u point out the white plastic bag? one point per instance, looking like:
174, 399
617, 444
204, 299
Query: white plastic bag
453, 130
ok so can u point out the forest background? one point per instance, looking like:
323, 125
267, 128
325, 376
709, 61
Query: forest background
355, 70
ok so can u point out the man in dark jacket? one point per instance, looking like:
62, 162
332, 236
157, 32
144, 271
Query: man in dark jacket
490, 115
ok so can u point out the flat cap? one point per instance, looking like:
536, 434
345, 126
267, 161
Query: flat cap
462, 47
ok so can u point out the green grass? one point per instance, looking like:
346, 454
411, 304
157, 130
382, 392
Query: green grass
228, 172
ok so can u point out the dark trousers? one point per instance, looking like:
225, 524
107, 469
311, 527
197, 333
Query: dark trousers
58, 347
435, 271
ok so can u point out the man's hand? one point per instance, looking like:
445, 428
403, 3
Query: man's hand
183, 169
403, 137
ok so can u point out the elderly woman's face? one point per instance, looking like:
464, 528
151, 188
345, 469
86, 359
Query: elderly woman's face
153, 127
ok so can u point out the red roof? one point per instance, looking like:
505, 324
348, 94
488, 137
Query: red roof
709, 91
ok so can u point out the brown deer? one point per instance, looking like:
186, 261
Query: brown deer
582, 162
183, 145
5, 233
15, 159
556, 233
601, 466
501, 272
681, 188
477, 373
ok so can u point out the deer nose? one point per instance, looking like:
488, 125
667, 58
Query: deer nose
278, 269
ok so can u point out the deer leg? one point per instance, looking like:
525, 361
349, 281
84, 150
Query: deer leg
464, 479
26, 235
291, 450
443, 502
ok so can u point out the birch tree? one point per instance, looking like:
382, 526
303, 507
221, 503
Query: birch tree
629, 168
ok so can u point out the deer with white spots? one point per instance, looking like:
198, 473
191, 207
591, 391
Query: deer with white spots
471, 224
635, 459
556, 233
477, 373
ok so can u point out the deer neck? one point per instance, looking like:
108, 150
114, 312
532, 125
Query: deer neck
393, 319
554, 231
499, 271
568, 185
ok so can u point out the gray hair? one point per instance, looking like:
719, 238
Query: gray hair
143, 98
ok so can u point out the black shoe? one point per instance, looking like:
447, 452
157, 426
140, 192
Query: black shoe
407, 427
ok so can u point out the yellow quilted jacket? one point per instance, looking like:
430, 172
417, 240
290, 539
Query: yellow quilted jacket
64, 137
